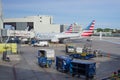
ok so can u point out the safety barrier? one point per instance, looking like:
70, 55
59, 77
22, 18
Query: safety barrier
9, 47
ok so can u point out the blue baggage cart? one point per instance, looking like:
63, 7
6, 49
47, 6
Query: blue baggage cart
44, 62
63, 63
83, 67
45, 57
78, 56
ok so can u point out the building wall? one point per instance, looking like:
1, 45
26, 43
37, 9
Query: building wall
45, 28
40, 23
43, 19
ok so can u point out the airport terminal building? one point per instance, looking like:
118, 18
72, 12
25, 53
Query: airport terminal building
28, 26
40, 24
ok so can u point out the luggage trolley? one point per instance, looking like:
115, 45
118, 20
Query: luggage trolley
63, 63
45, 57
83, 67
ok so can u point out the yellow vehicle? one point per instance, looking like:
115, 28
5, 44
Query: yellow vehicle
83, 54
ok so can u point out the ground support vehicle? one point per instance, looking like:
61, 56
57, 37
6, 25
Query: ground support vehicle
83, 67
63, 63
78, 50
87, 56
81, 53
41, 44
82, 56
44, 62
70, 49
45, 57
78, 56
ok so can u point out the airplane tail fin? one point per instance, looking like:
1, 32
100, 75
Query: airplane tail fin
89, 30
69, 29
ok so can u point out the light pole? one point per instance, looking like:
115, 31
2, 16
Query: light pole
100, 35
1, 21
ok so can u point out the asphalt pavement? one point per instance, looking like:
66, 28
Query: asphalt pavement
27, 68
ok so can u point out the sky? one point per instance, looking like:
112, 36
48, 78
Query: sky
106, 13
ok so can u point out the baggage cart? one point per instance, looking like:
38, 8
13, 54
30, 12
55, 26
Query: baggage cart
83, 67
45, 57
82, 56
63, 63
44, 62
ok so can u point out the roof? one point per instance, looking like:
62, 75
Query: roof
83, 61
65, 57
46, 49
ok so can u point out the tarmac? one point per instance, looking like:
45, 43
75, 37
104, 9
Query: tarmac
24, 66
7, 69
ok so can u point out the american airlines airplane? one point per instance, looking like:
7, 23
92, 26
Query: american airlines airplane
59, 37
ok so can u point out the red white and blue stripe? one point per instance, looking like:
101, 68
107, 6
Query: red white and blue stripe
69, 30
89, 30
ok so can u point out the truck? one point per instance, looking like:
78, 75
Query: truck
41, 43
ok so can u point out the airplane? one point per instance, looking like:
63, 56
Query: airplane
50, 36
69, 29
59, 37
89, 30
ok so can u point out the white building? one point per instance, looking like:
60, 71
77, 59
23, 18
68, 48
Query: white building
38, 23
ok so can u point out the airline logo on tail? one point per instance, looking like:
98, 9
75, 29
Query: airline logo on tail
69, 30
89, 30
